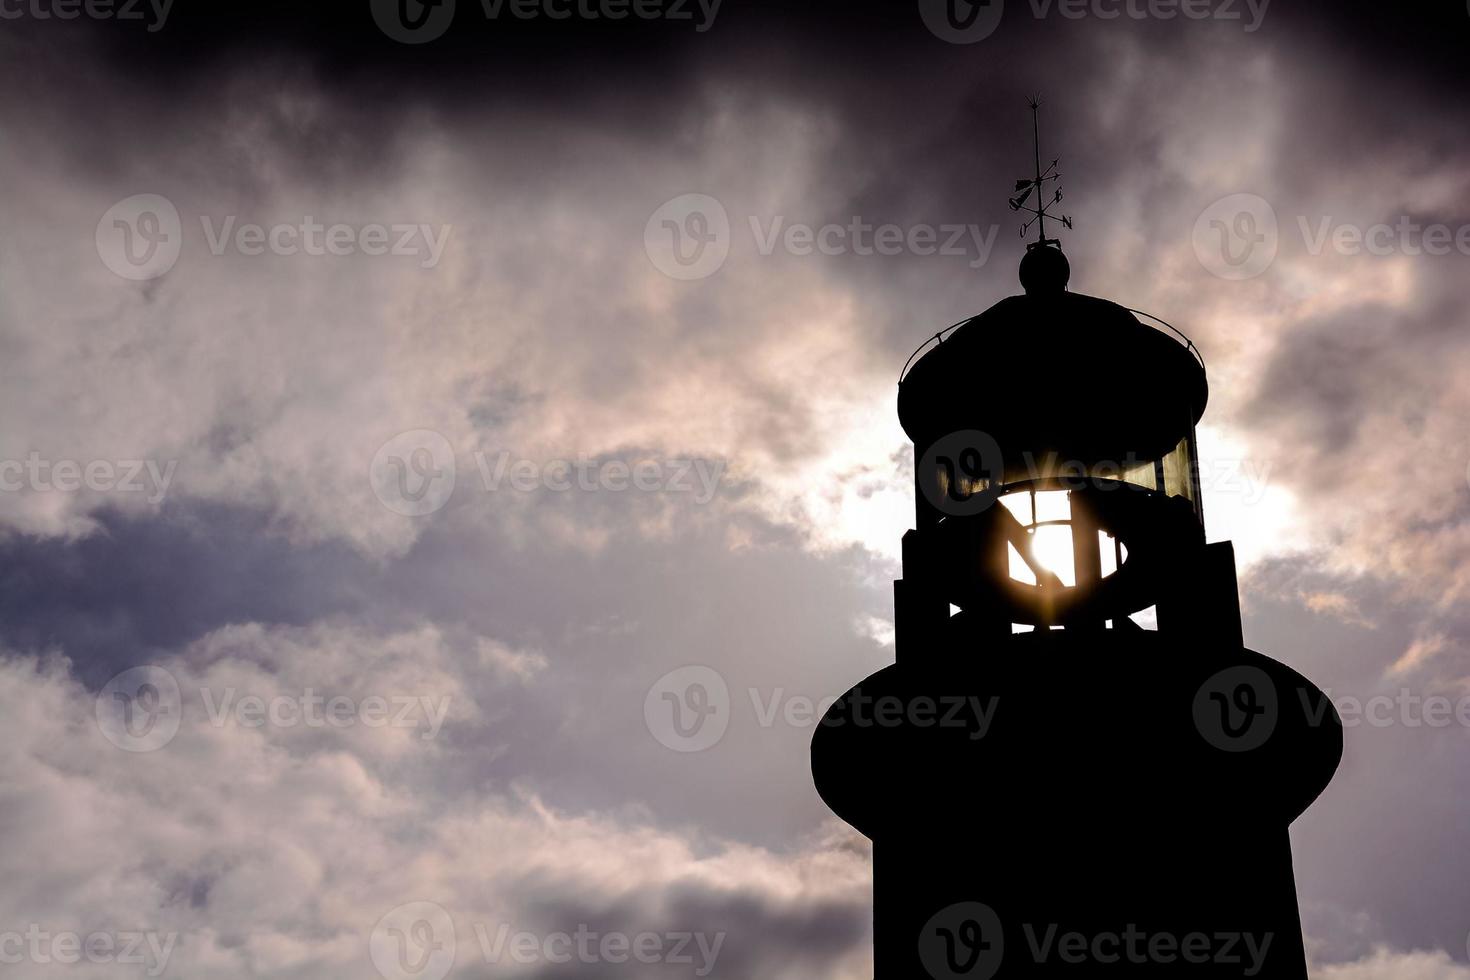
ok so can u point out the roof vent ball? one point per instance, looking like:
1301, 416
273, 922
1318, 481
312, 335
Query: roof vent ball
1044, 270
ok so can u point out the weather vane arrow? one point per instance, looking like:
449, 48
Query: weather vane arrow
1026, 186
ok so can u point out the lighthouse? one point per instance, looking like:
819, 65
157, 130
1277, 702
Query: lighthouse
1052, 790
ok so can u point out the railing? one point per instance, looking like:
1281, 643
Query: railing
1188, 344
939, 339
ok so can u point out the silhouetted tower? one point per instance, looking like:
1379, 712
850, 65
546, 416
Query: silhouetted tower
1036, 766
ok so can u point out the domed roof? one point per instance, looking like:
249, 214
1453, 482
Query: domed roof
1057, 371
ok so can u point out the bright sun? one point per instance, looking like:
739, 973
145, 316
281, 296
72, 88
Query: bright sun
1051, 543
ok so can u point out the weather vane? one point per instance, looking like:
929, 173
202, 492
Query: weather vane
1042, 209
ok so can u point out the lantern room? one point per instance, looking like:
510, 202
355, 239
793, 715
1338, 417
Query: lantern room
1054, 455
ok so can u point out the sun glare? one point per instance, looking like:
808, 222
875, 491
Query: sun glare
1051, 543
1052, 546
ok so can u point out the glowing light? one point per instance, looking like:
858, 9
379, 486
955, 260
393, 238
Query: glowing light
1019, 570
1019, 504
1053, 505
1106, 553
1051, 545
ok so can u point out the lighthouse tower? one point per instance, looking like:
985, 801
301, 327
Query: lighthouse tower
1051, 789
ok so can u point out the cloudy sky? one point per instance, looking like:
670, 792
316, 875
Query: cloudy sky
389, 411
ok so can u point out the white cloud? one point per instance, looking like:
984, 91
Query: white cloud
1388, 964
273, 850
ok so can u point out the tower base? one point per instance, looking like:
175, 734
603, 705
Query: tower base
1069, 804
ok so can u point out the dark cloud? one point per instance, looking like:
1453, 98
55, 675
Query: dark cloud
547, 145
143, 587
